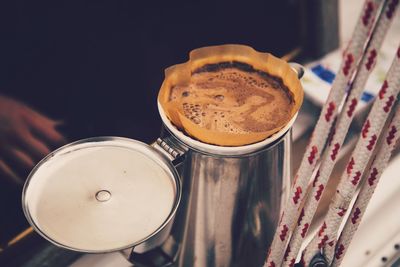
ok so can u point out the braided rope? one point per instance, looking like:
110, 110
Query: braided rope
326, 237
359, 159
329, 157
391, 136
351, 57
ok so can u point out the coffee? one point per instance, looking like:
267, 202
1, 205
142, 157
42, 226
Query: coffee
230, 95
233, 97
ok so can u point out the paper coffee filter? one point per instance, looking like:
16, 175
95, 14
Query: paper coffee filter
181, 75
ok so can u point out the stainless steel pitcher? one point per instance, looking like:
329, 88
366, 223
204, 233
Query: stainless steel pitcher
231, 199
227, 199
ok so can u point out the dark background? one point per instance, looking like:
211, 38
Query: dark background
98, 65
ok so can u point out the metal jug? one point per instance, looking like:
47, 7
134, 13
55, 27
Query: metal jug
225, 205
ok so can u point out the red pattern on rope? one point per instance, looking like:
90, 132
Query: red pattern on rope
356, 178
367, 13
371, 59
313, 152
356, 215
365, 129
390, 11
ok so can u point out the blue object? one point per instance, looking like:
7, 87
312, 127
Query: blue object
323, 73
366, 97
328, 76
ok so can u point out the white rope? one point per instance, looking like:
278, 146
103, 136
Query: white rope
329, 157
359, 159
391, 136
326, 237
351, 57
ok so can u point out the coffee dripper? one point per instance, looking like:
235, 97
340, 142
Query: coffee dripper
220, 205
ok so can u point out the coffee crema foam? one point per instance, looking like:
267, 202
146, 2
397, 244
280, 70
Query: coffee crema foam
230, 95
233, 97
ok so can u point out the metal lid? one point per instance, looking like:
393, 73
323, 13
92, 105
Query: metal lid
101, 194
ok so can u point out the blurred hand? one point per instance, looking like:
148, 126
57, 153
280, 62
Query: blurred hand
26, 136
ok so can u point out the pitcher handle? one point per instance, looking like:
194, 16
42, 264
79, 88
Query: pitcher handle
299, 69
174, 152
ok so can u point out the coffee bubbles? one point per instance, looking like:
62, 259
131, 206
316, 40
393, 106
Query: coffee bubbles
228, 97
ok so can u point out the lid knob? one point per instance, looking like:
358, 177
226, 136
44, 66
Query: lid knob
103, 195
